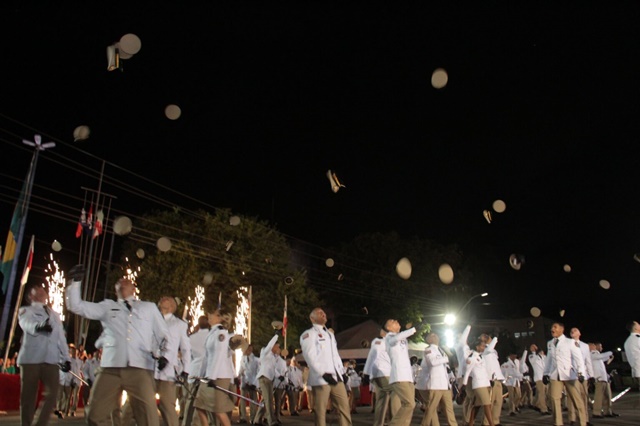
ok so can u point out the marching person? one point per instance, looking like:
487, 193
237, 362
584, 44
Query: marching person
280, 384
437, 383
463, 351
248, 374
401, 378
177, 344
378, 368
537, 360
196, 342
42, 352
320, 350
217, 366
564, 370
354, 382
476, 370
294, 386
69, 386
266, 377
588, 374
491, 360
632, 349
511, 372
133, 336
602, 406
526, 398
89, 368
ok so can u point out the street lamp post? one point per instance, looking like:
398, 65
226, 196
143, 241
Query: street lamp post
469, 301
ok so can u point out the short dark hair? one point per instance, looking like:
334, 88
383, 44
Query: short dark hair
203, 322
630, 326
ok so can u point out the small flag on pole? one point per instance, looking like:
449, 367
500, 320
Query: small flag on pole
27, 265
284, 319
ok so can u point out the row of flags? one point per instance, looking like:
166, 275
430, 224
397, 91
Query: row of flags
87, 225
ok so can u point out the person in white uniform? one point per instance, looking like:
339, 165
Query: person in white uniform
320, 351
476, 369
632, 349
217, 366
248, 374
564, 370
401, 378
537, 359
133, 338
43, 348
602, 388
196, 342
437, 383
177, 343
378, 368
588, 373
492, 362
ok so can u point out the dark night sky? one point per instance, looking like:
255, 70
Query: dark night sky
540, 110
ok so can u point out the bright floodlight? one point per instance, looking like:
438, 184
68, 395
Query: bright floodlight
448, 337
484, 294
449, 319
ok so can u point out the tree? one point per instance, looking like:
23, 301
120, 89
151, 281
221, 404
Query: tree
224, 253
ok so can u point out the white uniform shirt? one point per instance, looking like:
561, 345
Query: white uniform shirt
320, 351
178, 341
632, 350
217, 362
280, 371
129, 338
537, 362
354, 378
398, 350
196, 342
511, 372
294, 374
267, 366
491, 361
89, 369
39, 347
599, 369
477, 370
248, 371
586, 356
437, 363
564, 360
378, 363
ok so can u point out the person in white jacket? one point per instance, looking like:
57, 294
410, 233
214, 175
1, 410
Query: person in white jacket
492, 362
632, 349
43, 348
217, 366
133, 338
437, 382
602, 405
177, 343
401, 378
481, 384
266, 378
564, 370
537, 359
248, 374
588, 373
320, 351
378, 368
511, 372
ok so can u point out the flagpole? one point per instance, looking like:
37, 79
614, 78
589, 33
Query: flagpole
23, 282
249, 319
25, 209
285, 322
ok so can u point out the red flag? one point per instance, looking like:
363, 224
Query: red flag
284, 319
97, 227
27, 265
83, 219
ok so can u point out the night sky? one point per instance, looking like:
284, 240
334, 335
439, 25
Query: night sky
540, 110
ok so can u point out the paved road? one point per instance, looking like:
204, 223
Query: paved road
628, 406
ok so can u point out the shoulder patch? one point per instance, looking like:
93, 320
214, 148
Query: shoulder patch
427, 351
305, 335
468, 360
22, 311
378, 342
221, 337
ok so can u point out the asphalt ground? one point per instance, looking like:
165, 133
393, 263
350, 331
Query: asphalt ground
628, 406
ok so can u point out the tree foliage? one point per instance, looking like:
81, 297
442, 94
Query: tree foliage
207, 250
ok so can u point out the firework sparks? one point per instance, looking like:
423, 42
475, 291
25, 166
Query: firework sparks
242, 320
55, 286
195, 307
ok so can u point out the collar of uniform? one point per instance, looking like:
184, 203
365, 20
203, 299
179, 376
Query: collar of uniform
128, 299
167, 316
219, 327
37, 304
320, 327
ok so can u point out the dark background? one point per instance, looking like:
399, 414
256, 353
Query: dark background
540, 110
